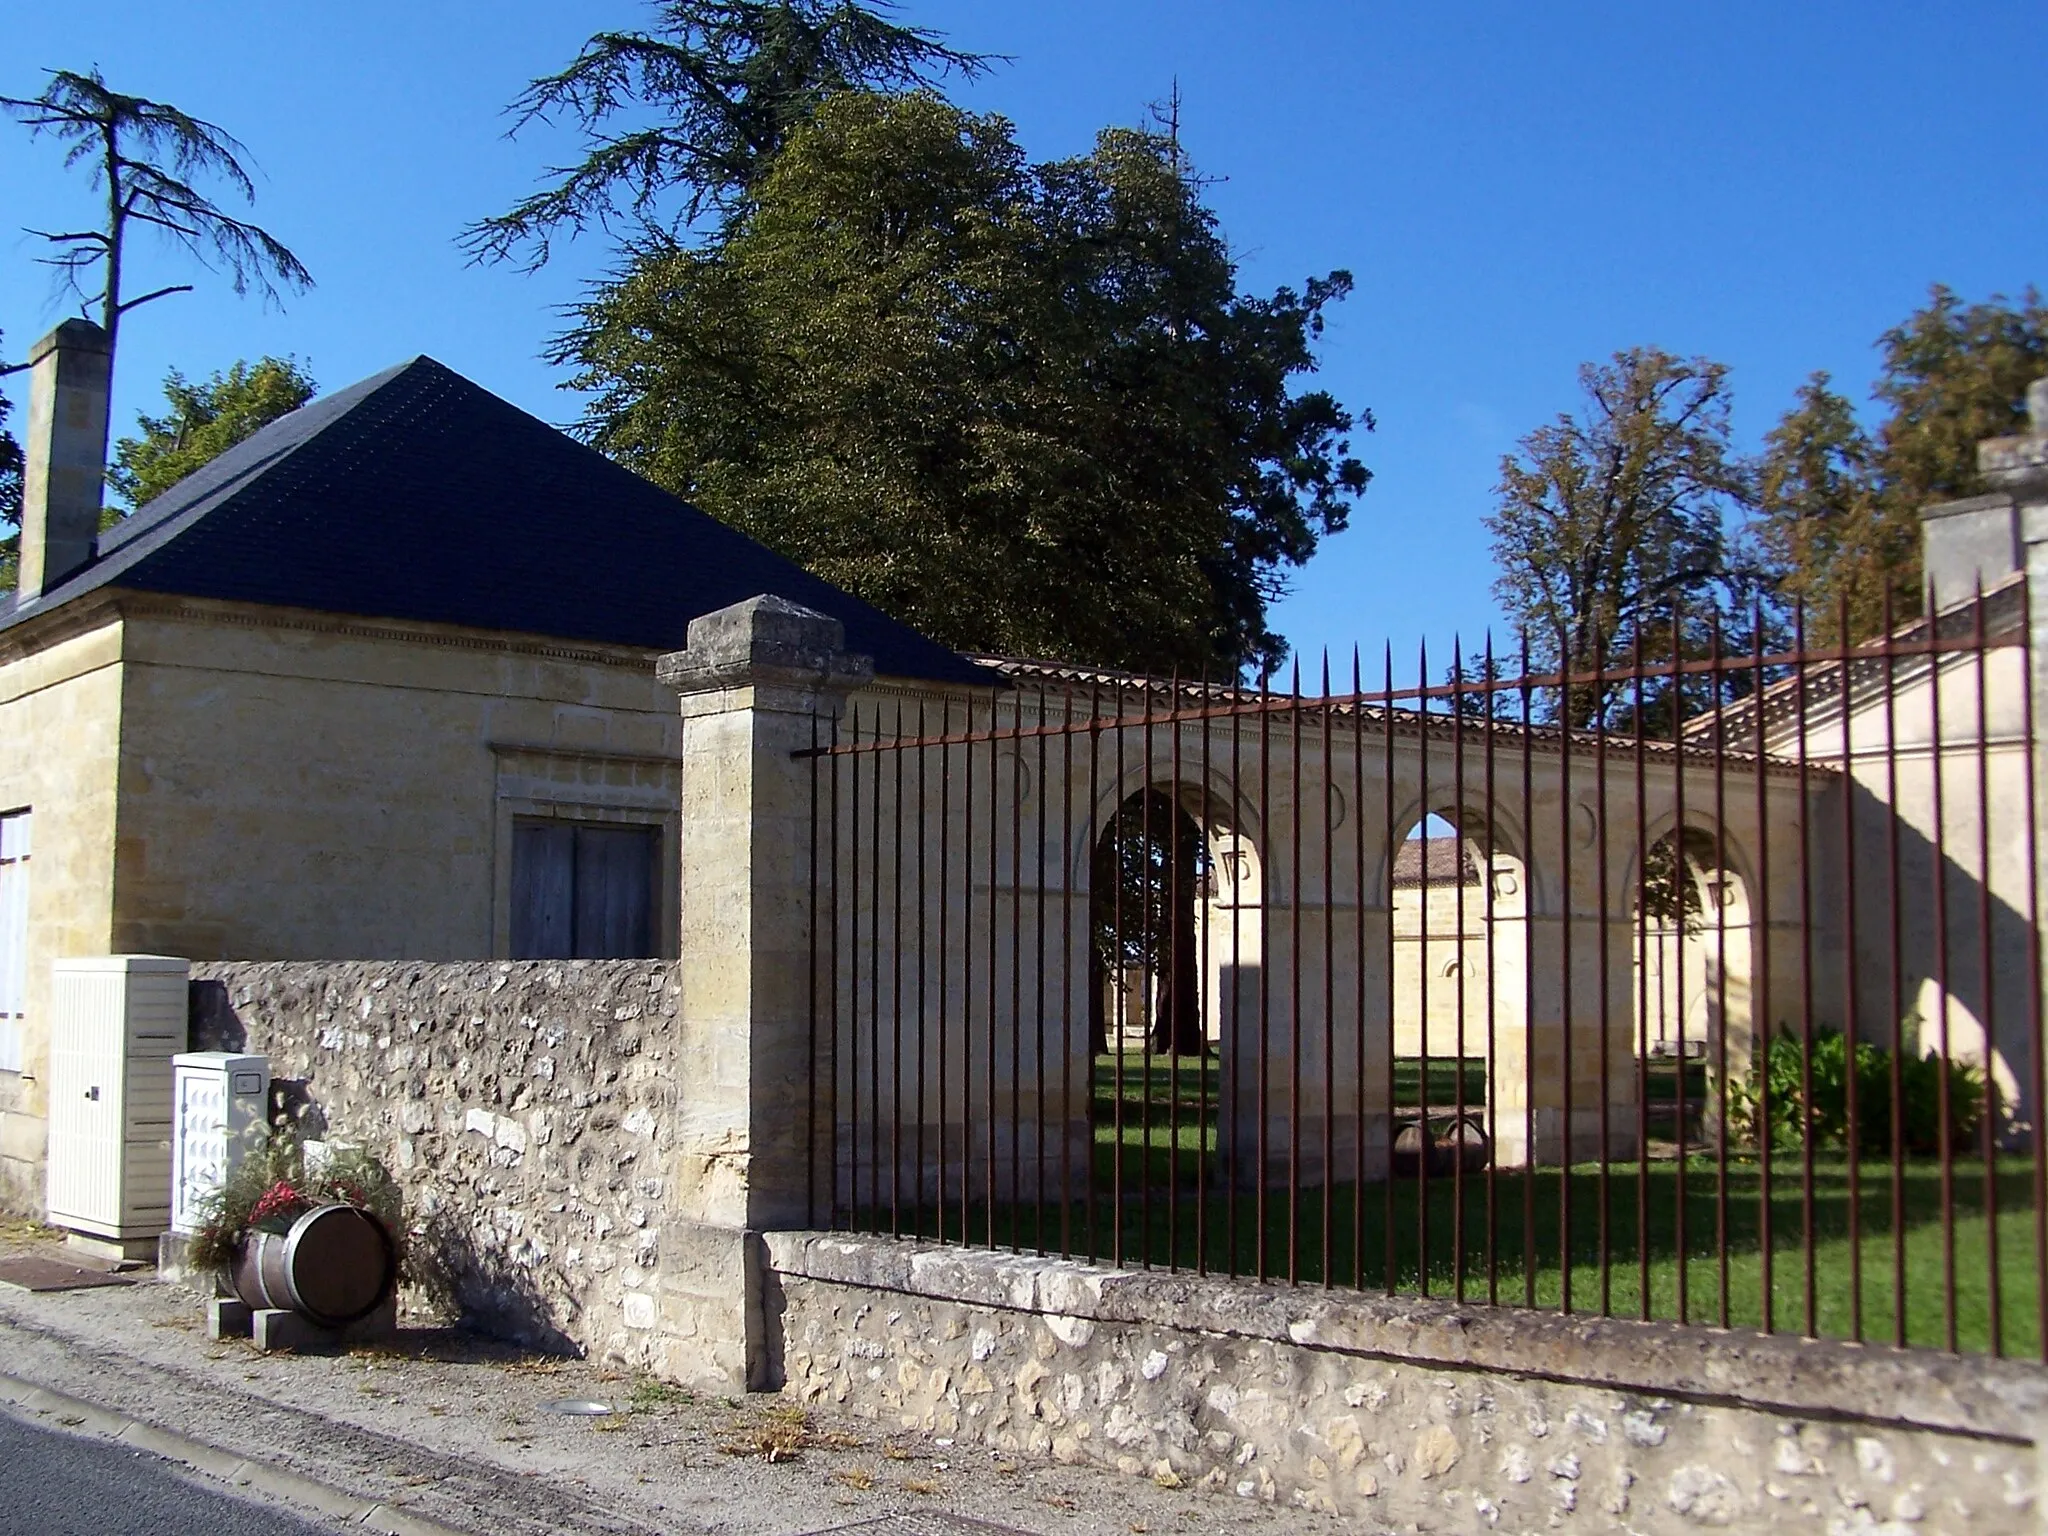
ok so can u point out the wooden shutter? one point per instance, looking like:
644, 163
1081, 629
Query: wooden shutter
615, 892
14, 865
543, 890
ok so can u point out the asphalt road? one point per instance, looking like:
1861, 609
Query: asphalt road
55, 1484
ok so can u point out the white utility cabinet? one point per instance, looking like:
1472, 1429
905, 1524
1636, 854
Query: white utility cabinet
217, 1118
115, 1023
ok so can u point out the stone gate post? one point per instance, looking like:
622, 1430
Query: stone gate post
757, 680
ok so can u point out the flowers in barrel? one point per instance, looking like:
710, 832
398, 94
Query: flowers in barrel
279, 1182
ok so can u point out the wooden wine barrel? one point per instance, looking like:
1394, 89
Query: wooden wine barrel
333, 1266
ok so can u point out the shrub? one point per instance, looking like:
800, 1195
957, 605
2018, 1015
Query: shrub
1779, 1077
274, 1186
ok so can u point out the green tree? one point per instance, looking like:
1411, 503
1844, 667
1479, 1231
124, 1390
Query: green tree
10, 500
725, 83
1840, 506
144, 157
204, 421
1610, 523
1023, 407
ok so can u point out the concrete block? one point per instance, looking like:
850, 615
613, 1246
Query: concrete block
227, 1318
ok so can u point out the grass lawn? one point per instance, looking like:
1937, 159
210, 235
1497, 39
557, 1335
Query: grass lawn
1663, 1226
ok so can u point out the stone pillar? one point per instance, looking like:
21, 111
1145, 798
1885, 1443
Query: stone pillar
2017, 469
760, 681
65, 454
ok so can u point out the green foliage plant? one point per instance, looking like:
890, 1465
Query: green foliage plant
1023, 407
276, 1183
1804, 1093
203, 421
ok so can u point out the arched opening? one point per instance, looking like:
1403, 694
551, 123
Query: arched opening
1154, 868
1693, 962
1458, 904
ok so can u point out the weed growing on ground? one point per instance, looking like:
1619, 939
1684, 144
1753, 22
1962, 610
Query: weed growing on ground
650, 1392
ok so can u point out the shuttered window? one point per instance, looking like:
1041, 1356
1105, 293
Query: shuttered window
14, 850
583, 891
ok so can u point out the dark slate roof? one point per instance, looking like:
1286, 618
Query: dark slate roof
419, 495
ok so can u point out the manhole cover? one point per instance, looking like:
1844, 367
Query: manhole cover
32, 1272
913, 1524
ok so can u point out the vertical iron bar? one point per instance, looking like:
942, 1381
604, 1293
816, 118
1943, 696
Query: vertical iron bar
1602, 957
1492, 991
1806, 1140
1760, 1028
811, 1041
1640, 934
1089, 851
1939, 867
2037, 1069
1422, 1247
945, 953
1567, 903
1458, 835
1119, 992
1720, 706
1329, 1203
923, 902
1173, 1042
1852, 1023
875, 981
1038, 914
1297, 904
967, 988
1067, 872
995, 878
1682, 886
1265, 955
1528, 997
1232, 1032
832, 994
896, 988
1017, 971
1392, 857
1205, 953
1897, 978
1986, 1123
1358, 984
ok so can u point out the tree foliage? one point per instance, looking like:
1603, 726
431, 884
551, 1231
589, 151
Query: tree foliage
698, 107
1612, 526
203, 421
146, 157
1022, 407
1841, 505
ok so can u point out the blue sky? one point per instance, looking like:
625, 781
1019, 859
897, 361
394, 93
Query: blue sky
1516, 188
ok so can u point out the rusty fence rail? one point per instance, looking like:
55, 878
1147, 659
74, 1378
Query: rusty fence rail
1702, 988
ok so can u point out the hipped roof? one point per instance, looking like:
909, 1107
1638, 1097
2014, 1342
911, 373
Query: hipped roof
418, 495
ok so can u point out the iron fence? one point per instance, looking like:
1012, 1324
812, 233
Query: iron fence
1702, 987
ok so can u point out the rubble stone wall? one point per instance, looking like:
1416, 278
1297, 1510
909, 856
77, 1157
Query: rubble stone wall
525, 1107
1409, 1414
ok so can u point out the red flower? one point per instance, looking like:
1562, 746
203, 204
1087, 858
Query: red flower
281, 1200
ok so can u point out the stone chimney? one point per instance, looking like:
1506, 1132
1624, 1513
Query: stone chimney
1984, 539
66, 455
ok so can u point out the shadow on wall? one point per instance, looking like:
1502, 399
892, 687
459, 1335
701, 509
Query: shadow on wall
451, 1275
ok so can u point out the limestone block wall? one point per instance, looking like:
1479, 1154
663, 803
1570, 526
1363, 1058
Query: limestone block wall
60, 729
306, 786
526, 1109
1402, 1413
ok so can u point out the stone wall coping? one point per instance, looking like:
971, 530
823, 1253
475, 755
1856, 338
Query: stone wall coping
1807, 1378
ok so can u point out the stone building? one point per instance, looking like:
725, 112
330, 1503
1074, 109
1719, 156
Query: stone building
377, 683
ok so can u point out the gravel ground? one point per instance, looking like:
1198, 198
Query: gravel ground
449, 1426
